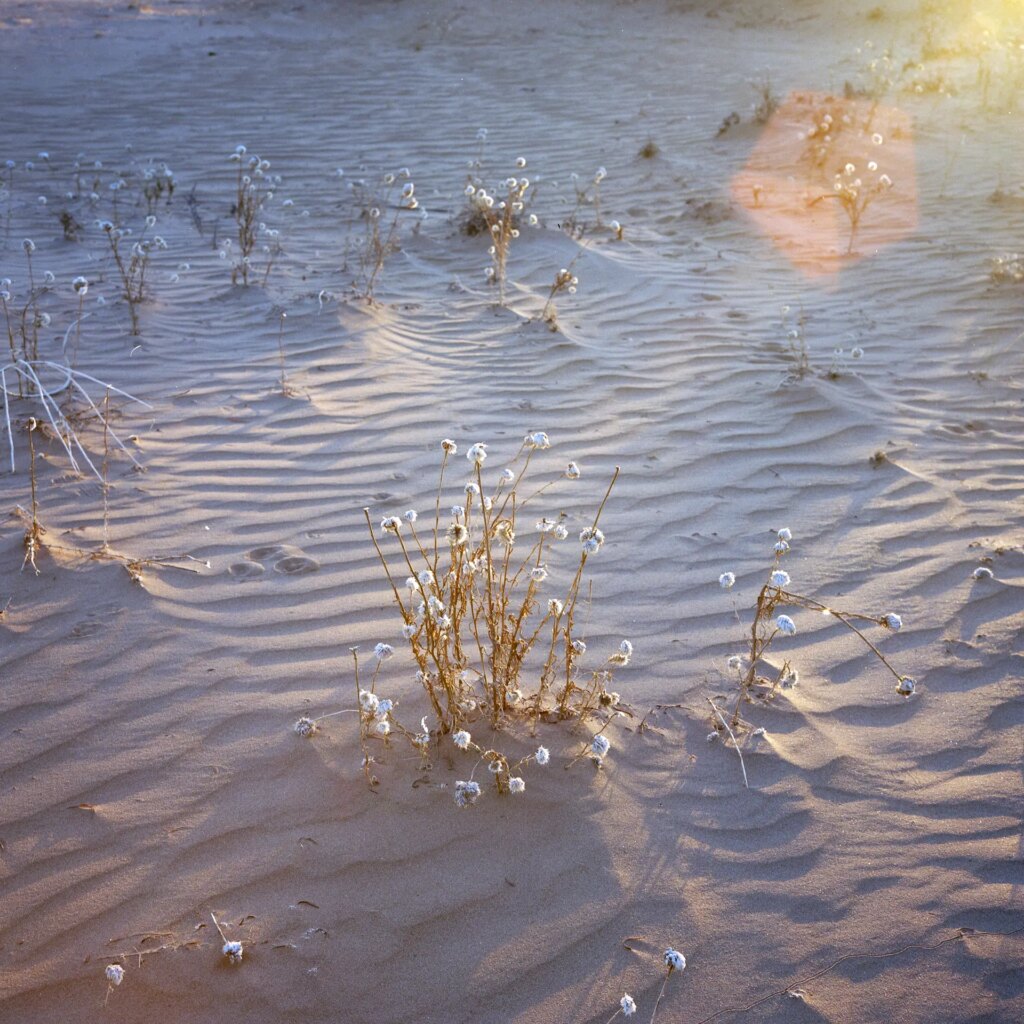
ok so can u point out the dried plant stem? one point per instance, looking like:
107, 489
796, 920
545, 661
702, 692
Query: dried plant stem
34, 533
280, 350
732, 736
661, 995
387, 571
106, 460
844, 618
216, 924
437, 507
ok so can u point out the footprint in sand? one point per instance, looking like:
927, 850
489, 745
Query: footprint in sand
296, 565
88, 627
285, 559
96, 621
267, 551
246, 570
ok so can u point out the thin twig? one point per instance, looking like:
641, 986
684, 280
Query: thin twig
732, 736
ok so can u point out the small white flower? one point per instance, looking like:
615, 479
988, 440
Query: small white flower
542, 756
627, 1005
626, 649
472, 488
781, 547
383, 651
579, 648
114, 973
384, 707
780, 578
426, 577
572, 471
555, 607
600, 746
539, 573
392, 524
674, 960
305, 726
507, 476
857, 352
893, 622
477, 453
516, 785
466, 793
411, 516
785, 625
538, 440
591, 538
368, 701
735, 662
983, 572
785, 534
383, 727
232, 950
409, 630
449, 447
462, 739
727, 580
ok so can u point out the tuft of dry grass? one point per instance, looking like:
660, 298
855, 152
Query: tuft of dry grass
491, 647
474, 608
498, 214
131, 268
381, 208
254, 188
757, 679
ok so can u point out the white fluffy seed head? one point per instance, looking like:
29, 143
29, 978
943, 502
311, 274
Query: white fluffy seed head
674, 960
466, 793
114, 973
727, 580
785, 625
232, 951
543, 756
906, 686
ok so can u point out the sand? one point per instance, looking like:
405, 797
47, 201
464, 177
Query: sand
149, 774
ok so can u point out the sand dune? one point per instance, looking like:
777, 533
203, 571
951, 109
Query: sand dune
149, 774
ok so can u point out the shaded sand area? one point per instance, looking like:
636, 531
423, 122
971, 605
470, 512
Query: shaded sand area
149, 773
